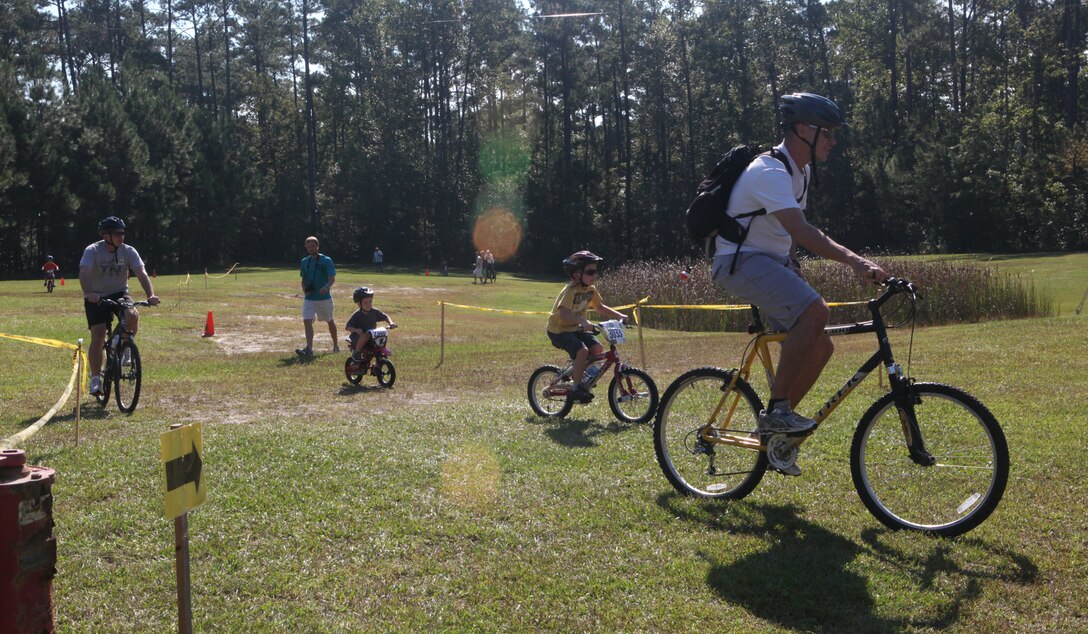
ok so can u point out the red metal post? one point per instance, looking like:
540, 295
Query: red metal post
28, 550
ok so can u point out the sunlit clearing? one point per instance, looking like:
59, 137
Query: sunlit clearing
499, 231
470, 477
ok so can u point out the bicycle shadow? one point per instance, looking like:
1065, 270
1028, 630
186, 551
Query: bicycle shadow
804, 577
577, 433
349, 389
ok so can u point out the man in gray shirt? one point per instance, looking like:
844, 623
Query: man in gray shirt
103, 274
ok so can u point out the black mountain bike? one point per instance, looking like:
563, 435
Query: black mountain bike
122, 372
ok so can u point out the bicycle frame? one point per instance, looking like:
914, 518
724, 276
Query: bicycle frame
611, 360
900, 385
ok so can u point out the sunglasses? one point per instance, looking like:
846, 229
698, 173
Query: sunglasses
827, 133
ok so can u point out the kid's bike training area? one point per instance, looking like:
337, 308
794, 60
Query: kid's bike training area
446, 503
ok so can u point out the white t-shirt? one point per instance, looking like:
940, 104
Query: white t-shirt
766, 185
109, 271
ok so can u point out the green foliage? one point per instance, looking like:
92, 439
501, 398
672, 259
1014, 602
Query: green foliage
370, 123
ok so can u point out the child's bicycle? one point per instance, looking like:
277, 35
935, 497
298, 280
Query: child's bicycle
925, 456
122, 371
50, 281
632, 394
375, 361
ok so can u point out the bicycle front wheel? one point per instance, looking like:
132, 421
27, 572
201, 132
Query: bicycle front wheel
948, 492
386, 373
127, 376
691, 455
632, 395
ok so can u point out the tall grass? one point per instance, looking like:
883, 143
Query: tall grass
952, 292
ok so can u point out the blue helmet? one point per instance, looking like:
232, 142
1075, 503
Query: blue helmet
110, 224
805, 107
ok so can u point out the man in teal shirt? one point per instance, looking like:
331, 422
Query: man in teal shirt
318, 275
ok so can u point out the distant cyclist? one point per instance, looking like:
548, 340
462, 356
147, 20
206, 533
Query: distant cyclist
49, 269
103, 274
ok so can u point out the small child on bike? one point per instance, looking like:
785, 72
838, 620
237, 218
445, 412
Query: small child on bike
49, 269
568, 327
363, 320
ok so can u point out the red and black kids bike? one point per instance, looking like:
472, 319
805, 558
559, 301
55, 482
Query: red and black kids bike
375, 361
632, 394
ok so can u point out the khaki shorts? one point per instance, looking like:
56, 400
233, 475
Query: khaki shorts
319, 308
780, 293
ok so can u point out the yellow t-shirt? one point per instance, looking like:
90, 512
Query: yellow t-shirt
573, 297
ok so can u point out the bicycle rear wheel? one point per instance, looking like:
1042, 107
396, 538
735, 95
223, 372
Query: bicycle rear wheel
947, 495
697, 466
541, 397
127, 375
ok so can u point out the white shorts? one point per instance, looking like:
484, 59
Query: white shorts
319, 308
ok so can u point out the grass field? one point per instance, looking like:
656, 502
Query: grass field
444, 504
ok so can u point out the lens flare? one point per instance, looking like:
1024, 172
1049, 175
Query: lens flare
470, 477
499, 231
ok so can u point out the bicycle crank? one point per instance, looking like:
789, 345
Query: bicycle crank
782, 450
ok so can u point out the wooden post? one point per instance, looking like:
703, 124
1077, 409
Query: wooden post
1082, 300
641, 347
442, 336
181, 564
79, 384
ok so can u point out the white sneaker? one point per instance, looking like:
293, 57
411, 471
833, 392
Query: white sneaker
784, 421
96, 385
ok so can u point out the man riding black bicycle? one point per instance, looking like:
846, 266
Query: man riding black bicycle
767, 273
103, 274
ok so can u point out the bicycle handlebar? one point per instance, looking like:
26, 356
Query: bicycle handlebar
901, 285
116, 304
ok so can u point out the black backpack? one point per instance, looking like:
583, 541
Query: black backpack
706, 216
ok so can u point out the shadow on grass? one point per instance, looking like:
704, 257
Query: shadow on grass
348, 389
300, 360
803, 577
578, 432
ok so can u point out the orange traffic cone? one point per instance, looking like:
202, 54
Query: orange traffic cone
209, 326
62, 281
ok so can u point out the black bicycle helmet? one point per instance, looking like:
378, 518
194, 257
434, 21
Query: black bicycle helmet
360, 293
577, 261
49, 258
805, 107
110, 224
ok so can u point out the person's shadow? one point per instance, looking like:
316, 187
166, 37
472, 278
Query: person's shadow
804, 577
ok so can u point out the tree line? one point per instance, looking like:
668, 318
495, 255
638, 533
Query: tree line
229, 130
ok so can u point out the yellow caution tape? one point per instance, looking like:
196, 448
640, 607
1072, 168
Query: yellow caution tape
52, 343
16, 439
218, 277
497, 310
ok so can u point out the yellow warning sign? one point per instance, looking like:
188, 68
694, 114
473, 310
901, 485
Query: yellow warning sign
186, 487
